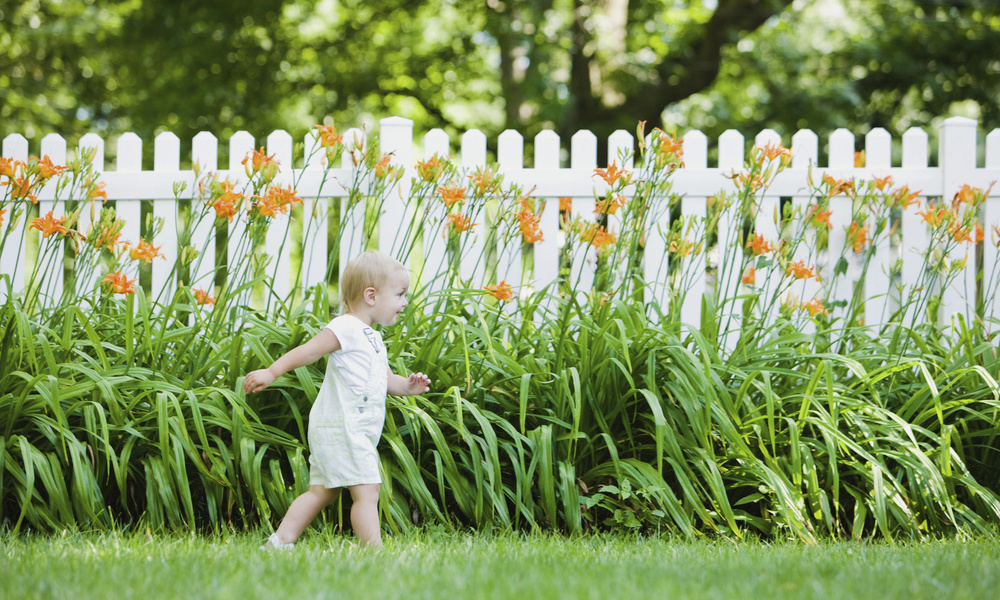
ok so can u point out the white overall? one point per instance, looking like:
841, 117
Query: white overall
344, 424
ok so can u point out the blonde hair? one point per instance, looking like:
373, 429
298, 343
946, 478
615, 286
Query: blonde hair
369, 269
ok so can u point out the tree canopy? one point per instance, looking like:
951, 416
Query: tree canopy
152, 65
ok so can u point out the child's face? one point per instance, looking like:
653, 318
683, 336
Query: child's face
390, 298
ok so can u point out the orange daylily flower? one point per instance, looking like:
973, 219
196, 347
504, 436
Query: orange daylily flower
225, 204
258, 159
382, 167
501, 291
613, 174
565, 203
776, 151
145, 251
49, 225
276, 200
883, 182
906, 198
798, 270
96, 190
996, 235
202, 297
119, 283
261, 163
967, 195
667, 150
47, 170
818, 217
609, 205
265, 207
529, 226
430, 170
596, 235
744, 180
603, 239
759, 245
935, 217
837, 186
106, 239
814, 307
485, 179
8, 167
979, 235
959, 233
283, 197
750, 277
859, 159
684, 247
225, 209
857, 237
458, 223
328, 136
452, 195
21, 187
671, 145
3, 211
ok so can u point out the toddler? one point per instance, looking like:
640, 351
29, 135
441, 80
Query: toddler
345, 422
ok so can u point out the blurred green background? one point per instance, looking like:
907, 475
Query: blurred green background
147, 66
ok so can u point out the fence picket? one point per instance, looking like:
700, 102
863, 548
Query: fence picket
240, 146
396, 140
510, 160
352, 218
693, 207
841, 207
805, 155
621, 149
12, 254
583, 258
436, 143
54, 146
129, 209
767, 223
731, 241
546, 252
878, 161
991, 240
277, 240
93, 142
914, 233
471, 264
315, 218
167, 160
205, 154
957, 156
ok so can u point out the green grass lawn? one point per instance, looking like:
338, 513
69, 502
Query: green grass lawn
459, 566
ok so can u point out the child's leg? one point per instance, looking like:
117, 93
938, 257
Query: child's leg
303, 510
364, 514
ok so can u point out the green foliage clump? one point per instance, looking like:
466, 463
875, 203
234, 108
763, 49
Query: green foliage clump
564, 409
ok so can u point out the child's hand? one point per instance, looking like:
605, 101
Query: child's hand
257, 380
418, 383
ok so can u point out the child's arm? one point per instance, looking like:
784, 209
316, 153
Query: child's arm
418, 383
319, 346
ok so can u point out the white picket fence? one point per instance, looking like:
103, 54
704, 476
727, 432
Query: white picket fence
128, 185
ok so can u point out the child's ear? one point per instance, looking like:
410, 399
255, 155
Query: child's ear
369, 295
